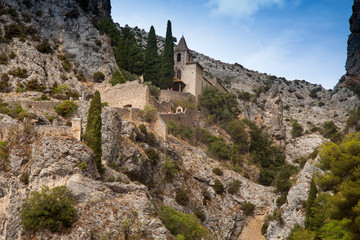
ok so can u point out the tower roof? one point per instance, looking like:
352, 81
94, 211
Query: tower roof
182, 46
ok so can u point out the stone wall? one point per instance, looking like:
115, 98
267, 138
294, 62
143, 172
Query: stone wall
45, 106
53, 130
130, 94
190, 118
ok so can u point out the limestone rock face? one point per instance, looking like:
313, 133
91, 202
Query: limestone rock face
353, 51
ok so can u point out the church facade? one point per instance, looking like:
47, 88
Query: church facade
189, 75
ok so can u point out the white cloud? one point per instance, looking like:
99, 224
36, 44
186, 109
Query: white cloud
242, 8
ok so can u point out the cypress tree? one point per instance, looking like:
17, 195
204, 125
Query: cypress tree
120, 56
136, 58
152, 60
92, 136
310, 202
167, 64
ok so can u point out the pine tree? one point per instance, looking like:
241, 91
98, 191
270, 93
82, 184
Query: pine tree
120, 56
167, 64
92, 136
152, 60
135, 59
310, 202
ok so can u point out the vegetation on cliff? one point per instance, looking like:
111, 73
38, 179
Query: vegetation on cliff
167, 62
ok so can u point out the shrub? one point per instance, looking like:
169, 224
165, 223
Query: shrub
25, 178
117, 78
152, 155
65, 62
19, 72
92, 136
330, 130
98, 42
12, 30
154, 91
171, 168
182, 224
218, 187
149, 113
3, 59
98, 77
313, 92
200, 214
73, 13
297, 129
234, 187
43, 97
65, 108
245, 96
181, 197
81, 76
33, 85
52, 209
248, 208
4, 153
171, 125
281, 181
44, 47
321, 104
217, 171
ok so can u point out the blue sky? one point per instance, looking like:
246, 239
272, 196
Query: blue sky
295, 39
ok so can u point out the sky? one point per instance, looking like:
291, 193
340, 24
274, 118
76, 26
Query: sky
295, 39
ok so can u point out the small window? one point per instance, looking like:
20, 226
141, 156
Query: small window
178, 74
178, 57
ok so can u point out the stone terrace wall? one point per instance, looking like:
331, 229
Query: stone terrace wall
131, 94
43, 105
168, 96
190, 118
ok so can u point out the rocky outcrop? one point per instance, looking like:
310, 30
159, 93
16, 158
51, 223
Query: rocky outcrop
353, 50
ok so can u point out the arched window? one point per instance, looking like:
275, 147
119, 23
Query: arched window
178, 74
178, 59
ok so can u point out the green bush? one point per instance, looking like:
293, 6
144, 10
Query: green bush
181, 197
52, 209
182, 224
4, 153
248, 208
245, 96
281, 181
117, 78
149, 113
321, 104
44, 47
330, 130
152, 155
12, 30
3, 59
297, 129
234, 187
217, 171
65, 108
218, 187
65, 62
24, 178
43, 97
200, 214
98, 77
171, 168
216, 145
19, 72
33, 85
154, 91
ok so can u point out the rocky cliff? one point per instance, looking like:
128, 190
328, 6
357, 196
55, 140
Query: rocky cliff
42, 151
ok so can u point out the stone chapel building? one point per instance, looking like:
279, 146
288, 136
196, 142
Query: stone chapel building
189, 75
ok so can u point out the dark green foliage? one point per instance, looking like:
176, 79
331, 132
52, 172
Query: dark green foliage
354, 119
338, 229
43, 97
12, 30
184, 224
298, 233
3, 59
44, 47
167, 63
216, 145
297, 129
200, 214
25, 178
342, 176
234, 187
152, 60
83, 4
171, 168
152, 155
149, 113
98, 77
65, 108
33, 85
222, 106
106, 26
65, 61
217, 171
262, 151
321, 104
236, 129
181, 197
330, 130
245, 96
218, 187
281, 181
4, 153
154, 91
19, 72
117, 78
248, 208
4, 82
310, 202
52, 209
92, 136
313, 92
